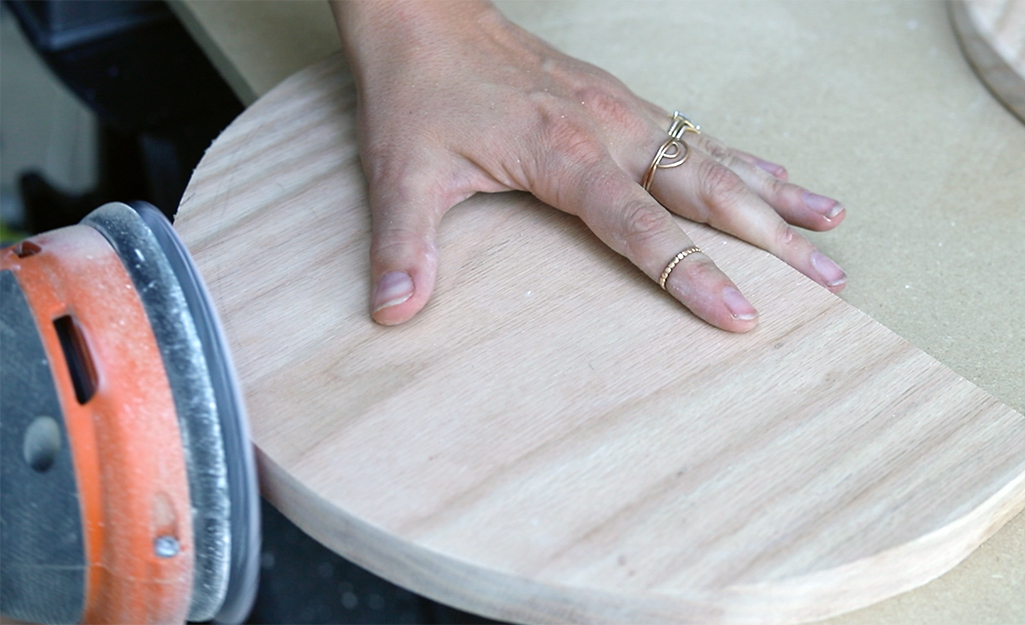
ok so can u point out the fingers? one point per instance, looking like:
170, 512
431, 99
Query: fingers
403, 254
730, 190
794, 204
735, 196
774, 169
632, 223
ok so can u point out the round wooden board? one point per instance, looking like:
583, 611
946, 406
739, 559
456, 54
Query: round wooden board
555, 440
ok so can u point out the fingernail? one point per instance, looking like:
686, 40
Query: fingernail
776, 170
829, 271
392, 289
822, 205
738, 305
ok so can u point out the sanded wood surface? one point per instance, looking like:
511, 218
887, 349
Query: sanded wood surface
554, 439
992, 34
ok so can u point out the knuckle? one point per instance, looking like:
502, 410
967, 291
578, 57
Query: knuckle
390, 239
774, 187
572, 142
785, 237
605, 105
391, 243
617, 111
643, 224
721, 186
718, 152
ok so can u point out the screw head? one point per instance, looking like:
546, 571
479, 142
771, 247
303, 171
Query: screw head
166, 546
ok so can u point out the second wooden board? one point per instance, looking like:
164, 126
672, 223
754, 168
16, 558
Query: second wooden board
992, 35
554, 439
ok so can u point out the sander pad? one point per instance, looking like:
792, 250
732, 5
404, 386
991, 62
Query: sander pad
128, 477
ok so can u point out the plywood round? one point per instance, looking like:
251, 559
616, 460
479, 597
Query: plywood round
555, 440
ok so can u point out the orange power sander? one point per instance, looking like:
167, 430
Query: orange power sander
128, 485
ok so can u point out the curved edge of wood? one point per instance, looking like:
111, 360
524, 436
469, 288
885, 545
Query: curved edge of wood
465, 586
939, 552
1000, 78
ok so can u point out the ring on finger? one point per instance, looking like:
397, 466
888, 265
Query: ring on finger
680, 125
693, 249
674, 151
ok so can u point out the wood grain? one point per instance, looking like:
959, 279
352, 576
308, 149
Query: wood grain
992, 35
555, 440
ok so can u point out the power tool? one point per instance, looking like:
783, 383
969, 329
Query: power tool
128, 485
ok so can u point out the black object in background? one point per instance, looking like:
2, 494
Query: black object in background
302, 581
158, 100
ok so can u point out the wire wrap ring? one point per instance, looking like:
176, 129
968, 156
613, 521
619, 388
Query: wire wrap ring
674, 151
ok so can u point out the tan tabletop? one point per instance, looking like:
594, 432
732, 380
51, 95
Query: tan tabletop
869, 102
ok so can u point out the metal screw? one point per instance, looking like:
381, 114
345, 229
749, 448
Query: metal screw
166, 546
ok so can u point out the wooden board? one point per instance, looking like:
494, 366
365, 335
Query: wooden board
992, 34
555, 440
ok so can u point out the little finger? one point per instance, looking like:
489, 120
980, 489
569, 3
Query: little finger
795, 204
704, 190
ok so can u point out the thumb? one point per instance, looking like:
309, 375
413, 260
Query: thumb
403, 253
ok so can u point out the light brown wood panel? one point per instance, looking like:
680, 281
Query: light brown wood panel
553, 439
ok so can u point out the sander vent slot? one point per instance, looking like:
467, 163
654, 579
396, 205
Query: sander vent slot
76, 355
26, 249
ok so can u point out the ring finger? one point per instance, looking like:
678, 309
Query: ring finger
632, 223
707, 191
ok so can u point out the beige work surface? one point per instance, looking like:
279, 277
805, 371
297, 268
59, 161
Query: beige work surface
871, 102
992, 34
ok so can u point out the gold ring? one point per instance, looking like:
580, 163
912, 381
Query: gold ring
674, 151
681, 125
694, 249
678, 156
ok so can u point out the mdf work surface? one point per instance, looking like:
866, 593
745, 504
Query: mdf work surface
927, 169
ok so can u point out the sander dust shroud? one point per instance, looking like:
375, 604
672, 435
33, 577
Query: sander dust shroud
128, 484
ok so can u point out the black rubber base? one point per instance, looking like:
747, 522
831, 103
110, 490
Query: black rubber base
215, 436
42, 550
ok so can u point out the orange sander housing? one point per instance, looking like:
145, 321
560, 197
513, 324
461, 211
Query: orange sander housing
128, 485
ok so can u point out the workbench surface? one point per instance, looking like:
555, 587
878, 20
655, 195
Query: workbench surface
947, 277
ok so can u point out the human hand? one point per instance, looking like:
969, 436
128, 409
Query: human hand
454, 100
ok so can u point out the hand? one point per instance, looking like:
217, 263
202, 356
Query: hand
454, 99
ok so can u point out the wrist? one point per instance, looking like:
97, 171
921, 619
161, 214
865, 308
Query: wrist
366, 28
